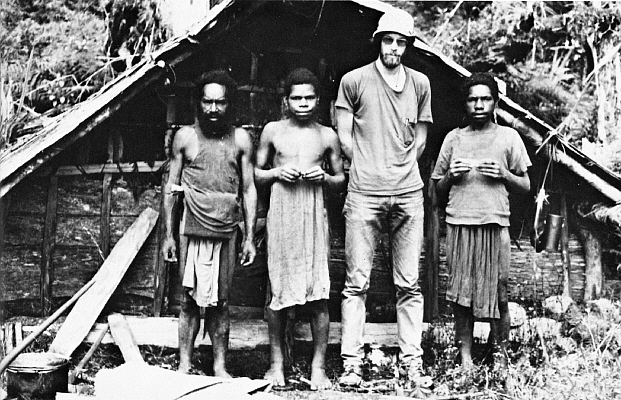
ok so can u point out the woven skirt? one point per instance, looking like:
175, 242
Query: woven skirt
478, 257
298, 245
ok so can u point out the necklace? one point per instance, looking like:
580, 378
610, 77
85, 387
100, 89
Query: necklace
398, 78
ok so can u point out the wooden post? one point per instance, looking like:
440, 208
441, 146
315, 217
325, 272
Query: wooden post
3, 351
432, 252
254, 75
106, 203
565, 248
594, 278
161, 267
4, 208
8, 337
19, 333
48, 245
4, 212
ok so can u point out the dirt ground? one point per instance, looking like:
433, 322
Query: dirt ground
582, 362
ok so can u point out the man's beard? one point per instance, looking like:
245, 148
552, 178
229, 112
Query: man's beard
390, 61
213, 126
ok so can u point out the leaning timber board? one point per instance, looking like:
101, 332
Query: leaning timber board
87, 309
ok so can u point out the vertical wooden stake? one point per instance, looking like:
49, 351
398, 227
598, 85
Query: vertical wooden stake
106, 203
3, 351
594, 278
565, 248
432, 252
4, 208
8, 337
48, 245
254, 75
19, 333
161, 267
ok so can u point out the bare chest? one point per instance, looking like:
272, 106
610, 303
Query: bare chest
303, 150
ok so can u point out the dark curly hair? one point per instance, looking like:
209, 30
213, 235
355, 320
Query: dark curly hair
301, 76
480, 78
219, 76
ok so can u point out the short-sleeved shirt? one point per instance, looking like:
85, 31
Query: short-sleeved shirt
384, 152
476, 199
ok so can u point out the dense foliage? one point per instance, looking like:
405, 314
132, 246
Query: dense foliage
54, 54
560, 60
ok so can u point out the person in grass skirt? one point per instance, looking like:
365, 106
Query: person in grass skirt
478, 166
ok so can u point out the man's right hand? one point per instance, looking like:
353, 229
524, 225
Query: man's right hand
169, 250
288, 173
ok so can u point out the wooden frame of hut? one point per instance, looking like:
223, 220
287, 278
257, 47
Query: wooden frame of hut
70, 190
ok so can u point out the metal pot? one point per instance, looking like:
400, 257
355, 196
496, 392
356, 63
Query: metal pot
37, 376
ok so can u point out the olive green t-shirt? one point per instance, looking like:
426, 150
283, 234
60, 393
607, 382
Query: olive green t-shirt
384, 153
477, 199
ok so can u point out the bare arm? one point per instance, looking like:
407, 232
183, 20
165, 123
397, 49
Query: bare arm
345, 129
249, 194
169, 247
335, 182
264, 173
517, 184
420, 129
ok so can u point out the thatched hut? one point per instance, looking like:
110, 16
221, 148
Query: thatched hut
70, 190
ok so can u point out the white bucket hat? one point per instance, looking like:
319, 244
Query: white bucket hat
398, 21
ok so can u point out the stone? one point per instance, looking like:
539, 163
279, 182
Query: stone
557, 305
518, 315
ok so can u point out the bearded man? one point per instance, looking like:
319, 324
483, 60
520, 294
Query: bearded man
383, 115
211, 165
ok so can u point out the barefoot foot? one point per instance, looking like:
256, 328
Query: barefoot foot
466, 364
184, 368
221, 372
319, 379
276, 376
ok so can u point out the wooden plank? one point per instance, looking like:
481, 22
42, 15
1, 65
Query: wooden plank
19, 333
432, 252
140, 381
245, 334
4, 212
72, 396
87, 309
104, 227
3, 351
111, 168
565, 248
161, 266
594, 278
8, 337
248, 334
48, 245
122, 334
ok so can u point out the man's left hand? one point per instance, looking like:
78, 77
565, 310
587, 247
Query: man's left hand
249, 251
491, 168
315, 174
